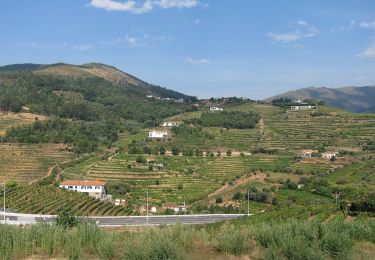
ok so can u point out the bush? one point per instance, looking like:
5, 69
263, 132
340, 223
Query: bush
141, 159
163, 249
237, 196
66, 219
219, 200
337, 244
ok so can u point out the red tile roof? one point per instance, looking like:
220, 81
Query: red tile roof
83, 183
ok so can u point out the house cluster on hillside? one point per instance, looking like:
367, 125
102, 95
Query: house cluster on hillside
181, 100
308, 153
155, 134
299, 105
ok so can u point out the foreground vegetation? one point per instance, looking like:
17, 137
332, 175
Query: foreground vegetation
257, 239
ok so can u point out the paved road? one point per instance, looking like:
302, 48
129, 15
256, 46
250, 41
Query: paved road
14, 218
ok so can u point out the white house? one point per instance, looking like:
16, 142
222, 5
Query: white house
216, 109
329, 155
173, 206
90, 187
157, 134
171, 123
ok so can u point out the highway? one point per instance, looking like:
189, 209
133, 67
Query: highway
18, 219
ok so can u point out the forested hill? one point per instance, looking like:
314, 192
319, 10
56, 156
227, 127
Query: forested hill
104, 71
87, 105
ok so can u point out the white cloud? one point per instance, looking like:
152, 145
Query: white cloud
84, 47
284, 37
368, 52
367, 25
198, 61
147, 6
307, 31
302, 23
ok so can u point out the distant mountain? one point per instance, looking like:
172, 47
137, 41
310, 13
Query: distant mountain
20, 67
354, 99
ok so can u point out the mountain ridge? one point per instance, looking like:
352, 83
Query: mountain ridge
350, 98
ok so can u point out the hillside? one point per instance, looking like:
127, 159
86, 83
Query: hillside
104, 71
87, 105
354, 99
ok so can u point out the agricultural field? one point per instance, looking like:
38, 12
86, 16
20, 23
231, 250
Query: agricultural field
51, 200
201, 179
9, 119
182, 178
26, 163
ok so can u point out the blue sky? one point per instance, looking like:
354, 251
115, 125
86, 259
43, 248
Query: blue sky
206, 48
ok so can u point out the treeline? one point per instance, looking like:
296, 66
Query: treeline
83, 136
235, 119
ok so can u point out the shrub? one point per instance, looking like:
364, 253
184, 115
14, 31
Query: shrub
219, 200
163, 249
141, 159
232, 241
66, 219
337, 244
106, 246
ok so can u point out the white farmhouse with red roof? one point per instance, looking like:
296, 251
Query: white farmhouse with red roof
90, 187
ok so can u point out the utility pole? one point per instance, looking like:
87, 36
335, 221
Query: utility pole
337, 196
248, 202
4, 201
147, 207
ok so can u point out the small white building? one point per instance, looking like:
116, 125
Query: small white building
120, 202
90, 187
171, 123
173, 206
157, 134
329, 155
216, 109
151, 209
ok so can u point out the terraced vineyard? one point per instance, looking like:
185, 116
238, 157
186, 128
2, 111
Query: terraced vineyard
181, 179
51, 200
295, 130
25, 163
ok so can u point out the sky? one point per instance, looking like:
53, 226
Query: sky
205, 48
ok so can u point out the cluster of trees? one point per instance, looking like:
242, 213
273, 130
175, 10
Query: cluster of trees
363, 206
264, 150
83, 136
186, 132
97, 109
369, 146
235, 119
253, 194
